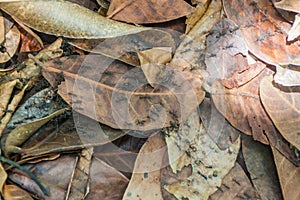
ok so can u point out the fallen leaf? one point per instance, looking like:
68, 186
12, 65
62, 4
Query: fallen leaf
2, 29
294, 33
190, 145
6, 90
148, 11
12, 40
61, 18
287, 76
119, 95
3, 177
264, 31
146, 173
242, 107
289, 5
217, 127
14, 192
289, 176
261, 167
235, 185
283, 108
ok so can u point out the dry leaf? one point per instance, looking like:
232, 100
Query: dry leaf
287, 76
290, 5
261, 167
119, 96
13, 192
283, 108
3, 177
12, 40
265, 32
6, 90
235, 186
294, 33
190, 145
63, 18
146, 173
289, 176
148, 11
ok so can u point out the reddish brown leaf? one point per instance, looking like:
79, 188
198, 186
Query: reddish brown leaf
119, 96
282, 105
264, 30
243, 109
148, 11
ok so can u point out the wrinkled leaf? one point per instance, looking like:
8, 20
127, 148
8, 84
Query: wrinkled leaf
63, 18
283, 108
260, 165
119, 96
12, 40
235, 186
148, 11
289, 176
190, 145
146, 173
264, 30
13, 192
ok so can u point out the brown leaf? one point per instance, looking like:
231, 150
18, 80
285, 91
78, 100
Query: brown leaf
265, 32
282, 105
217, 127
13, 192
119, 96
146, 173
12, 40
243, 109
289, 176
235, 186
290, 5
148, 11
261, 167
3, 177
63, 18
6, 90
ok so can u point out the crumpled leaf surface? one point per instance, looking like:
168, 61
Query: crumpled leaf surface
261, 167
60, 18
282, 105
146, 173
118, 95
265, 32
191, 145
235, 185
289, 176
148, 11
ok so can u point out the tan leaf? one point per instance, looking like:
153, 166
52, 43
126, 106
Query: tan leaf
146, 173
261, 167
289, 176
264, 31
119, 96
12, 40
283, 108
290, 5
3, 177
63, 18
6, 90
209, 163
13, 192
148, 11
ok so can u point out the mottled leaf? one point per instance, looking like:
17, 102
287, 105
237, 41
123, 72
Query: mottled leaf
282, 105
148, 11
63, 18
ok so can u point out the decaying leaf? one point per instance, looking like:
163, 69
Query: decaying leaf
294, 33
12, 40
287, 76
235, 186
6, 90
119, 95
261, 167
264, 31
146, 173
290, 5
21, 133
63, 18
148, 11
282, 105
289, 176
124, 48
190, 145
217, 127
3, 177
14, 192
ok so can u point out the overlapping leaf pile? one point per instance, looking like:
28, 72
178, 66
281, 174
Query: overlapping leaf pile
211, 112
